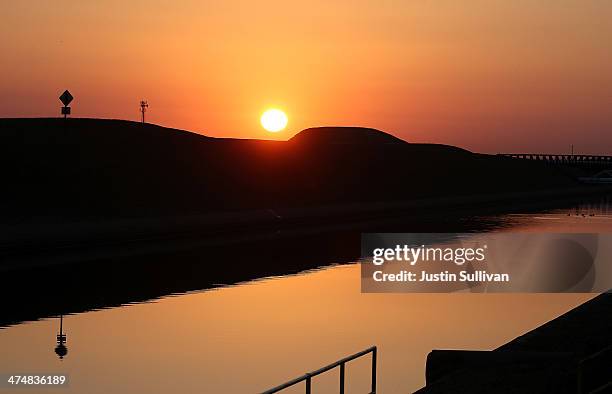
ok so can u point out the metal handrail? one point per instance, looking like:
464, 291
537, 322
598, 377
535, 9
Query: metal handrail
308, 376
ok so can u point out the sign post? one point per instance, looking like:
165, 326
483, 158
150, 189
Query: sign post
66, 98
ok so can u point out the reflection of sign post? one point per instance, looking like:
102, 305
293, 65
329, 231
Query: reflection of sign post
61, 349
66, 98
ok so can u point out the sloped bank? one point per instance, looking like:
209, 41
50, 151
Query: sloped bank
570, 354
27, 244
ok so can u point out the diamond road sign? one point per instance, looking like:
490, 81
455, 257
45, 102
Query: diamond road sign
66, 97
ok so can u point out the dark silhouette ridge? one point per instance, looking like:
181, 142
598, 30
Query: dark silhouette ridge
344, 135
85, 168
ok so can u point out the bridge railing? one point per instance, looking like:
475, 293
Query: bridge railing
340, 363
563, 159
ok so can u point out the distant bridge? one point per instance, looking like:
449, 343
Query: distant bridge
572, 160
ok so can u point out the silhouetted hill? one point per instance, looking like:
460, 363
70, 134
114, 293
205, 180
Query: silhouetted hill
106, 168
344, 135
360, 136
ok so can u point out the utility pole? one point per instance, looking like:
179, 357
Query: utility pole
143, 108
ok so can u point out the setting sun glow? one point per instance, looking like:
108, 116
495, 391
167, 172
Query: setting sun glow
274, 120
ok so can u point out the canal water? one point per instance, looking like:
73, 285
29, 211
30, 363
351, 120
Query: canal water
248, 337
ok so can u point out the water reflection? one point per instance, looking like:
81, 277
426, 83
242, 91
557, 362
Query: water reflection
257, 334
113, 283
250, 337
61, 349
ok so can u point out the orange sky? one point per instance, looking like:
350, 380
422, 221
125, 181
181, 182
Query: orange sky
487, 75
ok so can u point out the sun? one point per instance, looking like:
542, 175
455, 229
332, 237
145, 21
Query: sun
274, 120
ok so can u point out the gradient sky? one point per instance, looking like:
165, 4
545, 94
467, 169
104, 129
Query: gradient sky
487, 75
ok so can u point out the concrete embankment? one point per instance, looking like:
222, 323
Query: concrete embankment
570, 354
48, 241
